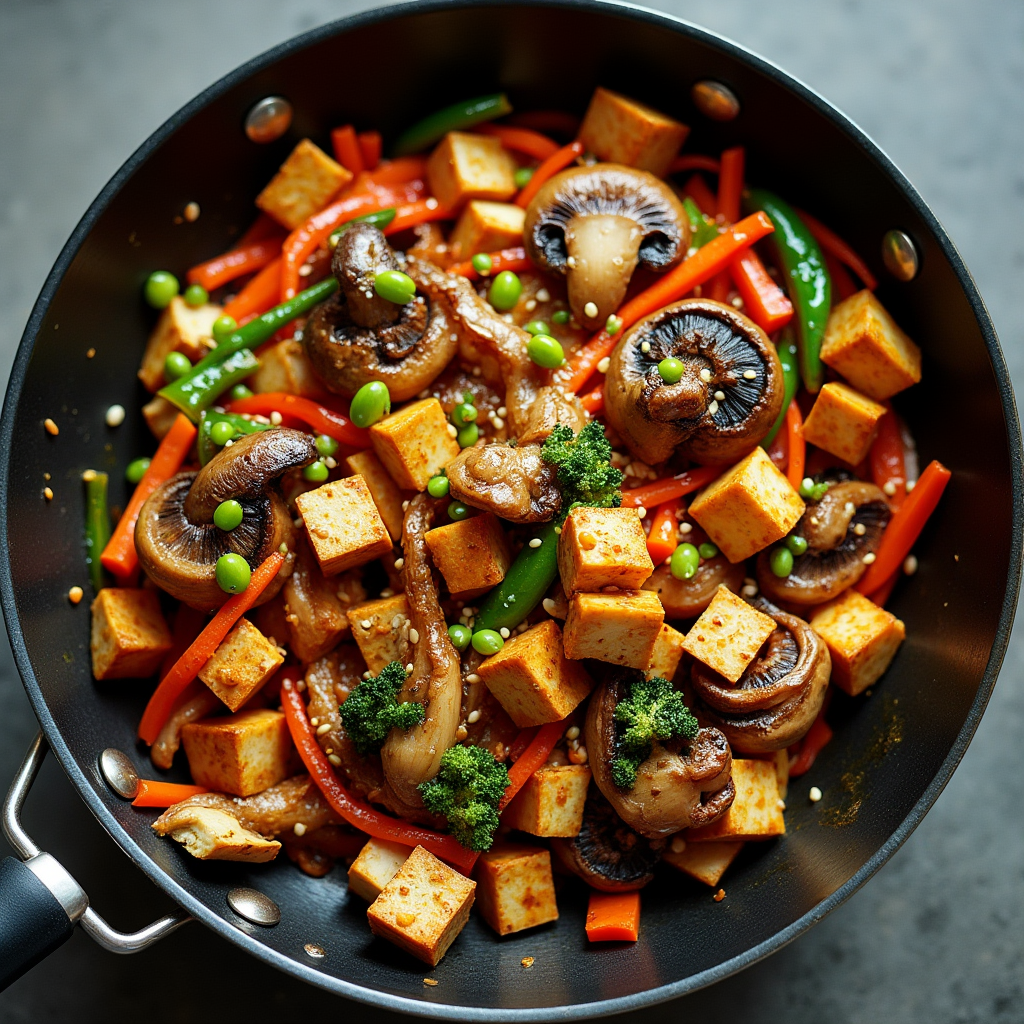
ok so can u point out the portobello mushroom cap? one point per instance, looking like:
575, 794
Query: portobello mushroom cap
514, 483
686, 599
723, 353
595, 224
175, 536
356, 336
780, 693
840, 529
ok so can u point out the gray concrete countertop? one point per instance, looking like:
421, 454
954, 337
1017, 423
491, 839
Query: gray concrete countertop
936, 935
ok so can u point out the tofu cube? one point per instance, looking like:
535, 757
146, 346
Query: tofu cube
781, 762
314, 612
465, 166
668, 652
550, 802
704, 861
750, 506
159, 415
414, 443
532, 679
423, 908
304, 185
756, 813
843, 422
378, 862
378, 630
472, 554
621, 131
620, 628
209, 833
343, 524
487, 227
514, 888
603, 547
861, 637
242, 663
863, 343
181, 328
728, 634
129, 634
284, 366
383, 489
239, 754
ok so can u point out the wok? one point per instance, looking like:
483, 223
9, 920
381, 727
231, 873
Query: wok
893, 752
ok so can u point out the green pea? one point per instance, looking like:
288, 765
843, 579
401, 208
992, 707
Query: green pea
796, 543
316, 472
537, 327
372, 402
781, 561
161, 287
685, 561
707, 550
176, 365
223, 326
504, 291
460, 636
325, 445
463, 414
487, 641
545, 351
196, 295
468, 435
136, 470
561, 317
522, 176
671, 370
394, 286
221, 432
438, 486
613, 325
228, 515
812, 491
482, 263
240, 391
457, 511
233, 573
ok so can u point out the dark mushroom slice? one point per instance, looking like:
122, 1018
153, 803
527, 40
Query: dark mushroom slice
686, 599
595, 224
777, 698
841, 529
175, 536
514, 483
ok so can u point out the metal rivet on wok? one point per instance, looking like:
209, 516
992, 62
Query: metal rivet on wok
254, 906
715, 100
269, 119
119, 772
315, 951
899, 254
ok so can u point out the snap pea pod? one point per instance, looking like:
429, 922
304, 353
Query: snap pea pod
790, 377
97, 524
207, 446
803, 266
379, 219
464, 114
201, 388
702, 230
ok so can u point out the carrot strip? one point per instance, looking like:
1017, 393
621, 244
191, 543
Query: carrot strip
408, 215
397, 172
811, 745
886, 458
521, 742
259, 295
831, 242
843, 285
558, 161
884, 592
730, 183
317, 417
778, 450
188, 624
764, 301
533, 757
660, 491
370, 147
552, 122
662, 539
522, 140
796, 444
697, 189
613, 916
693, 162
234, 264
593, 401
514, 259
164, 794
346, 149
263, 227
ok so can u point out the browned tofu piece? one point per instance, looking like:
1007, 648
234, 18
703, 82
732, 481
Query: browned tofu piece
343, 524
843, 422
380, 629
861, 637
668, 652
306, 182
465, 166
378, 862
621, 131
181, 328
239, 754
756, 813
620, 628
383, 489
160, 415
864, 344
486, 227
209, 833
471, 554
532, 678
284, 366
414, 443
550, 802
129, 634
728, 634
704, 861
423, 908
603, 547
748, 507
242, 663
514, 888
680, 599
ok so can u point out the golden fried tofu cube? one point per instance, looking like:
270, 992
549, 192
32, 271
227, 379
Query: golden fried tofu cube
621, 628
315, 611
471, 554
668, 652
843, 422
423, 908
129, 634
550, 802
209, 833
181, 328
343, 524
532, 679
781, 761
242, 663
465, 166
160, 415
514, 887
750, 506
284, 366
861, 637
621, 131
603, 547
486, 227
304, 185
728, 634
383, 489
756, 813
239, 754
378, 862
704, 861
414, 443
864, 344
378, 630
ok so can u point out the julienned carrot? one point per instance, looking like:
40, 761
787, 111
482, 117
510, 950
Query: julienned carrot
811, 745
533, 757
262, 293
397, 172
796, 444
730, 183
408, 215
662, 540
514, 259
234, 264
763, 300
264, 226
696, 188
164, 794
320, 418
119, 555
660, 491
905, 526
346, 149
370, 147
522, 140
521, 742
558, 161
718, 287
593, 401
886, 457
188, 665
831, 242
613, 916
693, 162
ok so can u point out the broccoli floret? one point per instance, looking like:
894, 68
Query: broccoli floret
585, 476
371, 711
466, 790
652, 711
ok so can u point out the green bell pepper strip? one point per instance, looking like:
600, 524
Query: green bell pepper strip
790, 378
97, 525
379, 219
702, 230
205, 442
803, 266
458, 116
197, 391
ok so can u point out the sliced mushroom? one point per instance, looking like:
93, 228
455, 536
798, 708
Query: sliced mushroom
595, 224
727, 400
841, 529
175, 536
166, 745
779, 695
513, 483
686, 599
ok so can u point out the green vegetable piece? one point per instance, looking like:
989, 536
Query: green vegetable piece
468, 435
487, 641
790, 381
781, 561
196, 295
504, 291
522, 176
97, 523
176, 365
325, 445
372, 709
221, 433
233, 573
137, 470
561, 317
460, 635
536, 327
240, 391
796, 543
203, 385
457, 511
528, 579
372, 402
685, 562
707, 550
394, 286
545, 351
457, 117
161, 287
228, 515
217, 428
223, 327
671, 370
702, 229
463, 414
316, 472
482, 263
380, 219
585, 474
811, 491
438, 486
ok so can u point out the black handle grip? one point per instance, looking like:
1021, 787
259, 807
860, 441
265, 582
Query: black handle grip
32, 922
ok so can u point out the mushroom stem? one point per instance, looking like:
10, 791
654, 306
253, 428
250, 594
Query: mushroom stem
362, 254
602, 255
686, 400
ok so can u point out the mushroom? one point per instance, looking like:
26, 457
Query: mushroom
841, 529
595, 224
356, 336
686, 599
175, 536
729, 395
514, 483
780, 693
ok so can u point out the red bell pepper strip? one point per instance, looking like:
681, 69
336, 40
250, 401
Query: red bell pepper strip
522, 140
843, 285
884, 592
696, 188
832, 243
811, 745
796, 445
408, 215
693, 162
319, 418
533, 757
763, 300
667, 488
346, 149
370, 147
778, 450
886, 458
662, 540
548, 169
613, 916
234, 264
514, 259
164, 794
593, 401
259, 295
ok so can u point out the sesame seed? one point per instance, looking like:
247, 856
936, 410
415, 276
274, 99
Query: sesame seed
807, 483
910, 565
430, 981
749, 374
503, 633
299, 829
452, 432
115, 416
367, 674
736, 302
408, 669
814, 795
331, 462
414, 636
334, 759
322, 730
713, 408
75, 594
276, 418
719, 896
473, 677
405, 504
868, 558
502, 411
719, 396
48, 493
431, 203
645, 347
399, 563
641, 511
685, 527
314, 722
578, 755
543, 295
705, 375
860, 529
602, 367
678, 844
849, 508
889, 488
909, 485
228, 443
298, 522
498, 422
473, 717
590, 309
748, 591
571, 261
536, 542
573, 732
548, 605
461, 733
527, 961
51, 427
366, 624
530, 305
283, 548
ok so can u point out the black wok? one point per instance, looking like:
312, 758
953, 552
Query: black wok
893, 752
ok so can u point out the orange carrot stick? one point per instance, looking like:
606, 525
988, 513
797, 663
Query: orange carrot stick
397, 172
698, 191
164, 794
886, 456
533, 757
764, 301
259, 295
694, 162
558, 161
796, 444
663, 538
234, 264
730, 183
370, 146
831, 242
514, 259
660, 491
346, 149
263, 227
522, 140
593, 401
408, 215
613, 916
811, 745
